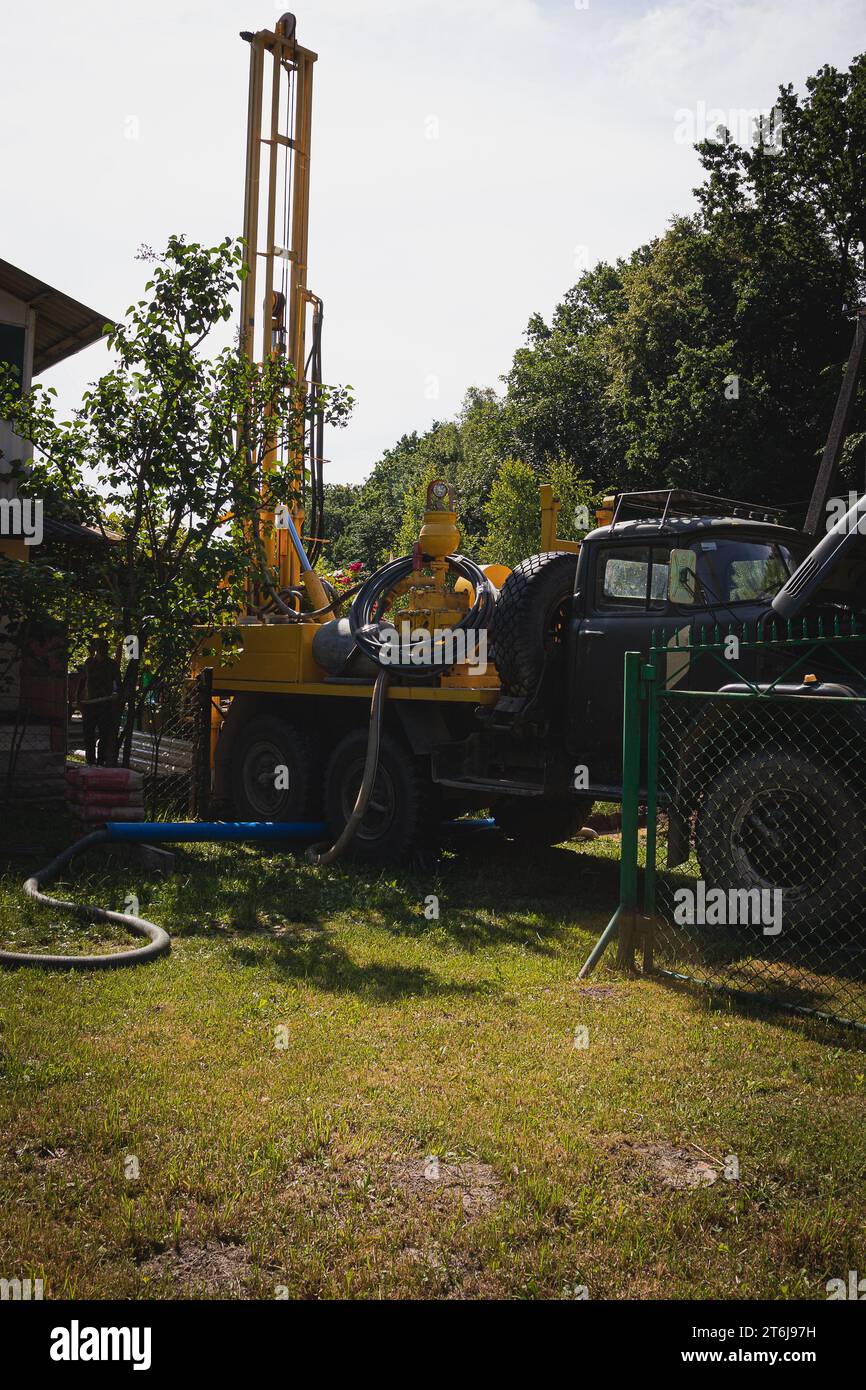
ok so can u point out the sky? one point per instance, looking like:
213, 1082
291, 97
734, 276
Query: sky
470, 158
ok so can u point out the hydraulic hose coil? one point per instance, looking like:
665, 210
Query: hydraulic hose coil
367, 632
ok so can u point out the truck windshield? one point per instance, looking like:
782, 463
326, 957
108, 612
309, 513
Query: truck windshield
734, 571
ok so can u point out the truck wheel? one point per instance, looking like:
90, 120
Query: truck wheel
530, 821
785, 820
530, 617
273, 771
401, 813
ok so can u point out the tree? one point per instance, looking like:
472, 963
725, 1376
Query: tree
577, 497
719, 361
557, 404
365, 529
710, 358
174, 444
810, 174
512, 513
439, 454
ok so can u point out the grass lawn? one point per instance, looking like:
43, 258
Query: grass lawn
325, 1094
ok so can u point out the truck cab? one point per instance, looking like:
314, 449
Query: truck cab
647, 579
663, 564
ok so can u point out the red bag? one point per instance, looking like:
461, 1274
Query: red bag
104, 778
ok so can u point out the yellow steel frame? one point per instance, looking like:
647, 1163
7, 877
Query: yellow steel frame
277, 656
550, 507
282, 324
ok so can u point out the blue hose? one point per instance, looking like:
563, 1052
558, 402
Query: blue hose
138, 831
132, 832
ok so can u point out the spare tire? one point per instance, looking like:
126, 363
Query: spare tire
786, 819
530, 620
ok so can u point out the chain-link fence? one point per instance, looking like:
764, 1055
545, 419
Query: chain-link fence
753, 754
169, 746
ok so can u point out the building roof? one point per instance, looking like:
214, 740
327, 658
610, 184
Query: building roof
56, 529
63, 326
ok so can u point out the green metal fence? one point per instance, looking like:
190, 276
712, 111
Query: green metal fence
751, 874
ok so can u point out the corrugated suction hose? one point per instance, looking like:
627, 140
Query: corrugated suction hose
159, 941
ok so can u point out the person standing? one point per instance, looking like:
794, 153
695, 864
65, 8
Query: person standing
101, 681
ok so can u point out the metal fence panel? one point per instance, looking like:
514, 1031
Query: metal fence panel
755, 853
170, 748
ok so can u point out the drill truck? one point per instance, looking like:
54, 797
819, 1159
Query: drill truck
494, 688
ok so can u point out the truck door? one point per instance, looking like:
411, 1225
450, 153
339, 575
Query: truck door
625, 596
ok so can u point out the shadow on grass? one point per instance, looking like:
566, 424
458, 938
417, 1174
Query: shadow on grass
502, 896
713, 997
320, 961
272, 909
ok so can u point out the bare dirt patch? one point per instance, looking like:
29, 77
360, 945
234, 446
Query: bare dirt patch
210, 1268
474, 1186
669, 1164
40, 1155
597, 992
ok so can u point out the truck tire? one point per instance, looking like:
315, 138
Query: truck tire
529, 621
265, 744
533, 822
402, 812
786, 820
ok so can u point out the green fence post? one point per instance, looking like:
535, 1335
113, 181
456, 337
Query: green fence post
623, 920
630, 794
651, 678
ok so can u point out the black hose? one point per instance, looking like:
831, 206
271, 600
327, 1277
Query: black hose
313, 374
318, 854
158, 945
369, 638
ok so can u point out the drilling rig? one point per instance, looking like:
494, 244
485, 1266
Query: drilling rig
296, 697
388, 719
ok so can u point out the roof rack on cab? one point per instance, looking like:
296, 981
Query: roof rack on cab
662, 503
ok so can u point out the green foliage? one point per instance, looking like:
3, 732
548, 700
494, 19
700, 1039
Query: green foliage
512, 512
710, 358
578, 500
365, 525
168, 444
439, 455
557, 383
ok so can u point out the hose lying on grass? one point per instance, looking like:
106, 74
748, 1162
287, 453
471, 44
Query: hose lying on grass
159, 941
132, 832
139, 832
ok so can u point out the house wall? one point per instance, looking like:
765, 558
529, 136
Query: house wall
33, 710
15, 314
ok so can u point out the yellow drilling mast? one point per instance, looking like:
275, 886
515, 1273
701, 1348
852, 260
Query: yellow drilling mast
276, 304
290, 713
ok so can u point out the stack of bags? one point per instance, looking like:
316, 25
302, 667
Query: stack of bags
99, 794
